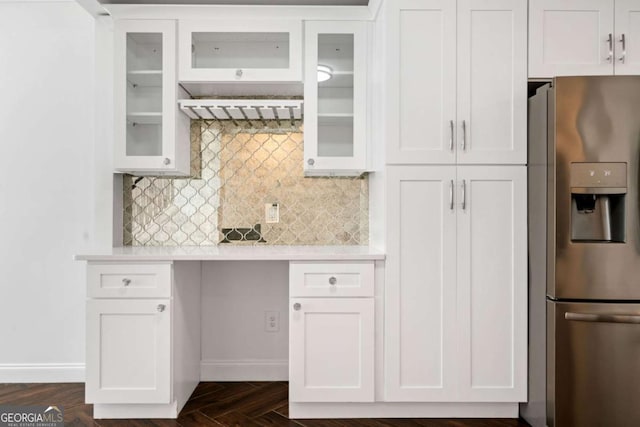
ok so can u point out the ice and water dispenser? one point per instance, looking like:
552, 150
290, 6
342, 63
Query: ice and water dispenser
598, 193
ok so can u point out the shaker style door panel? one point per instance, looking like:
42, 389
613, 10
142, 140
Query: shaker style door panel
128, 351
331, 350
492, 81
421, 82
570, 38
627, 36
492, 283
420, 298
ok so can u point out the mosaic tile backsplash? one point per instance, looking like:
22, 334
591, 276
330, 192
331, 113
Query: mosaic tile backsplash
237, 169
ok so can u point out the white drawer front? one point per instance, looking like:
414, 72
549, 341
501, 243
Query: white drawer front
331, 279
152, 280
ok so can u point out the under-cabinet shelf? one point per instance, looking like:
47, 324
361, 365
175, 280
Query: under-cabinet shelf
338, 119
151, 78
338, 79
144, 118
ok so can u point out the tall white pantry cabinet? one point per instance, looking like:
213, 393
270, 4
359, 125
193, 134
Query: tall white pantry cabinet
456, 266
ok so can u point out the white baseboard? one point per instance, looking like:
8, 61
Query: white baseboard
402, 410
42, 373
244, 370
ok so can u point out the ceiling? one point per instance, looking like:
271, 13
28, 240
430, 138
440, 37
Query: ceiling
247, 2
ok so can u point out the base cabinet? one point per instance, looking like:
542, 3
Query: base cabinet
331, 332
143, 338
128, 352
455, 305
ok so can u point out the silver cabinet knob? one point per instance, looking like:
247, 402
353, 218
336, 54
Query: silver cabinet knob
311, 162
297, 306
239, 73
126, 282
333, 280
166, 161
161, 308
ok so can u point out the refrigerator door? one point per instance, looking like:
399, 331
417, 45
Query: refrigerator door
594, 122
593, 374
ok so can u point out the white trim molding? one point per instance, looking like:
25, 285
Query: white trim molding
42, 373
244, 370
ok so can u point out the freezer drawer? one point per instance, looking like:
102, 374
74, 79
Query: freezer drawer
593, 372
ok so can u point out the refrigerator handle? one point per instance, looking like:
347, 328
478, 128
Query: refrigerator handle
603, 318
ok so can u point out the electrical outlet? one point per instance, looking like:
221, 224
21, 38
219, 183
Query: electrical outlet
271, 321
272, 213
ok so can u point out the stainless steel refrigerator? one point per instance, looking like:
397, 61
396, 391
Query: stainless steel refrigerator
584, 253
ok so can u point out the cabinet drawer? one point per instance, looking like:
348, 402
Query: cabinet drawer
331, 279
151, 280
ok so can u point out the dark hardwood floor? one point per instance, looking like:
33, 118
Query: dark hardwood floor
244, 404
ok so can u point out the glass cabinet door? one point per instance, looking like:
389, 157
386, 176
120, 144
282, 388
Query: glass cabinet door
335, 98
150, 137
218, 51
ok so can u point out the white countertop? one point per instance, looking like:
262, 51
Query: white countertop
234, 253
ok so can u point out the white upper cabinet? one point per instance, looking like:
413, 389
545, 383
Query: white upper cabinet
240, 51
151, 136
627, 47
584, 37
335, 98
492, 82
421, 81
456, 81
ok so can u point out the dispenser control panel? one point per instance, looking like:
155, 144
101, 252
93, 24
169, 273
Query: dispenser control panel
599, 175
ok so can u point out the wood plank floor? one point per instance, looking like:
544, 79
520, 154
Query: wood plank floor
243, 404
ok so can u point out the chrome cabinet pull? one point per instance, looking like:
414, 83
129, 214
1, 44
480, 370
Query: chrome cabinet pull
126, 282
311, 162
166, 161
623, 41
161, 308
333, 280
451, 139
603, 318
610, 42
464, 194
451, 194
297, 306
464, 135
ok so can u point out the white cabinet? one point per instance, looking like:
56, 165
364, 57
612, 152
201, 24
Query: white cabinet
331, 340
151, 135
456, 284
128, 351
583, 37
143, 338
456, 81
335, 94
240, 51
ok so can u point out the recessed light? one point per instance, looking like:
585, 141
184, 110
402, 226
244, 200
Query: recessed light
324, 73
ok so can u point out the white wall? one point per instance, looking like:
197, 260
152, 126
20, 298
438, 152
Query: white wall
46, 182
238, 293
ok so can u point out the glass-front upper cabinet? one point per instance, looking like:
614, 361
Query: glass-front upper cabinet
150, 137
335, 98
242, 50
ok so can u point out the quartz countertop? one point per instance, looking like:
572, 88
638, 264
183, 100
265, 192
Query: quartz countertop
234, 253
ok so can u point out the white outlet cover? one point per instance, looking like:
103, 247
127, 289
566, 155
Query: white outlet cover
272, 213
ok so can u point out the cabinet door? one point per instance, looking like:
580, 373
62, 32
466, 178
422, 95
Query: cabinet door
570, 38
421, 81
492, 283
627, 37
240, 51
420, 296
492, 81
128, 351
331, 342
145, 100
335, 94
